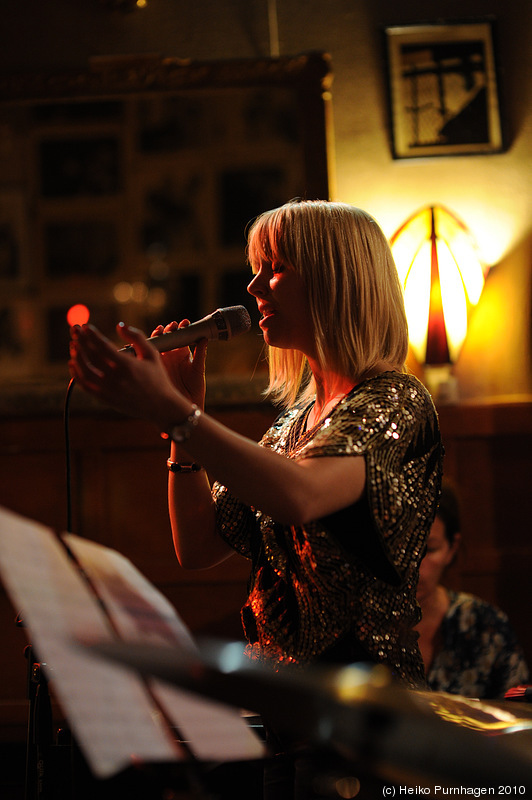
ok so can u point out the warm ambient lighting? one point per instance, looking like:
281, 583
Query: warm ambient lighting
442, 276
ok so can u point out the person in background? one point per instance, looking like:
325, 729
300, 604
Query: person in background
333, 507
468, 645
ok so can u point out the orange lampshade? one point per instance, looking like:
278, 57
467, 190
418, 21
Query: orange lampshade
442, 276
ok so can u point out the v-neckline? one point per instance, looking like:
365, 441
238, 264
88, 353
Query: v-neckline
299, 434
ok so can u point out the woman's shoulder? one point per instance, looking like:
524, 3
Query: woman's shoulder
386, 410
391, 398
398, 387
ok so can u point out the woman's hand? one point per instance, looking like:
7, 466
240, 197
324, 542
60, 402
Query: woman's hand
138, 386
185, 368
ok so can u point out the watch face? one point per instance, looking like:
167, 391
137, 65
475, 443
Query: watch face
181, 432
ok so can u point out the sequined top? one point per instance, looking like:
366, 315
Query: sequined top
343, 587
479, 654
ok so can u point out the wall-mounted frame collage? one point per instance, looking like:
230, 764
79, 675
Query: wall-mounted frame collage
135, 182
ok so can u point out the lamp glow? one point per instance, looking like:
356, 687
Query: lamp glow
442, 276
78, 314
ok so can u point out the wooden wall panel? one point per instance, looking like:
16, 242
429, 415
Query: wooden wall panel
489, 460
119, 498
118, 486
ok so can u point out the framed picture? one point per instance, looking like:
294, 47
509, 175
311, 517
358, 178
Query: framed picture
443, 91
144, 174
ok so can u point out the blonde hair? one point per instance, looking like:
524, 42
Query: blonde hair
354, 292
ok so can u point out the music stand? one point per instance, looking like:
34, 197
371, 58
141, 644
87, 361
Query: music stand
70, 589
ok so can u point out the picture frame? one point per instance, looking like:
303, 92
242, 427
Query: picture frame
443, 90
130, 191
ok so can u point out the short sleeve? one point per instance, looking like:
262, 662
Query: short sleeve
390, 421
236, 522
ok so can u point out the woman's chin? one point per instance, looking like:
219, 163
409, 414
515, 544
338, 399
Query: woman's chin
268, 334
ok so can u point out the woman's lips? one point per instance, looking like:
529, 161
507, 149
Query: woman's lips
266, 312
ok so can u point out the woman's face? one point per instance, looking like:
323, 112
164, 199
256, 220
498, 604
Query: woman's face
282, 300
439, 555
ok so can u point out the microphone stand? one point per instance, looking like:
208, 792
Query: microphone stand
48, 765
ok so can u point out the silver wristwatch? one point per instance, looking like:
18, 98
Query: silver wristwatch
181, 432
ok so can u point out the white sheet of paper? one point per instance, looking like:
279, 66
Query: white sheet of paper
214, 732
108, 707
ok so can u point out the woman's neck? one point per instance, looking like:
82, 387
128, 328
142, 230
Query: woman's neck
331, 386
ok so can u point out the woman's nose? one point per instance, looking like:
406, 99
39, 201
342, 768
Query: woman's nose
254, 286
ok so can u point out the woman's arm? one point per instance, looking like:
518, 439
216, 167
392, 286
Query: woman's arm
292, 492
193, 517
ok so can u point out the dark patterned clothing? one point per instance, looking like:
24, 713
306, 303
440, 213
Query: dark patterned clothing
343, 588
479, 655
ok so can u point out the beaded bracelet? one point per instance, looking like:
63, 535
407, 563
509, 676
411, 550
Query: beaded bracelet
176, 466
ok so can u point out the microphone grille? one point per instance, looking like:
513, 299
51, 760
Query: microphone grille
237, 320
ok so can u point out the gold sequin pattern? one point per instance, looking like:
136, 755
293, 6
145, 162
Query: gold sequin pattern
307, 589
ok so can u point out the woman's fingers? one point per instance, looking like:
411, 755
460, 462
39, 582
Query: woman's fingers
170, 327
94, 359
93, 349
137, 339
91, 356
200, 354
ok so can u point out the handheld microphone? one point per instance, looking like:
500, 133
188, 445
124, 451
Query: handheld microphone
222, 324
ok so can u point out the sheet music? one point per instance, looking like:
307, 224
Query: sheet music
142, 614
112, 715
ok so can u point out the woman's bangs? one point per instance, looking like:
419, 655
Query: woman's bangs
265, 241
